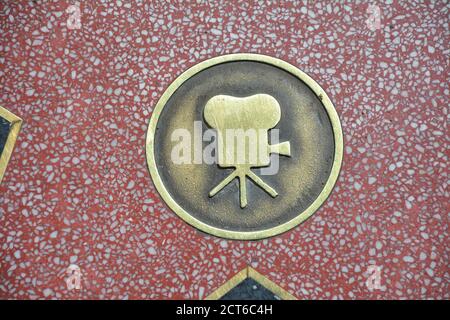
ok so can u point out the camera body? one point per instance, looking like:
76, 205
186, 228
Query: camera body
242, 125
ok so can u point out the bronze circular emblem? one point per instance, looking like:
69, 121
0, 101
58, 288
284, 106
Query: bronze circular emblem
244, 146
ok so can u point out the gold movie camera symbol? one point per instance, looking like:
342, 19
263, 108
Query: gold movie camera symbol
249, 119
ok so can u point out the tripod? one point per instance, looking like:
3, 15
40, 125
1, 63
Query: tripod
242, 173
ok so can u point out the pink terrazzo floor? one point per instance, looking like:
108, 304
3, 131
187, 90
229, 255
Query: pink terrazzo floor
77, 190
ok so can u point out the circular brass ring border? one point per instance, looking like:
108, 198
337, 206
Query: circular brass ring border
247, 235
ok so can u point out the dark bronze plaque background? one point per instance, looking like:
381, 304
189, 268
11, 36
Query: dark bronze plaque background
301, 177
4, 132
9, 129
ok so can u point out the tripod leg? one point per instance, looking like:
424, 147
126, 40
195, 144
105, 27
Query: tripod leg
223, 184
262, 184
243, 190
